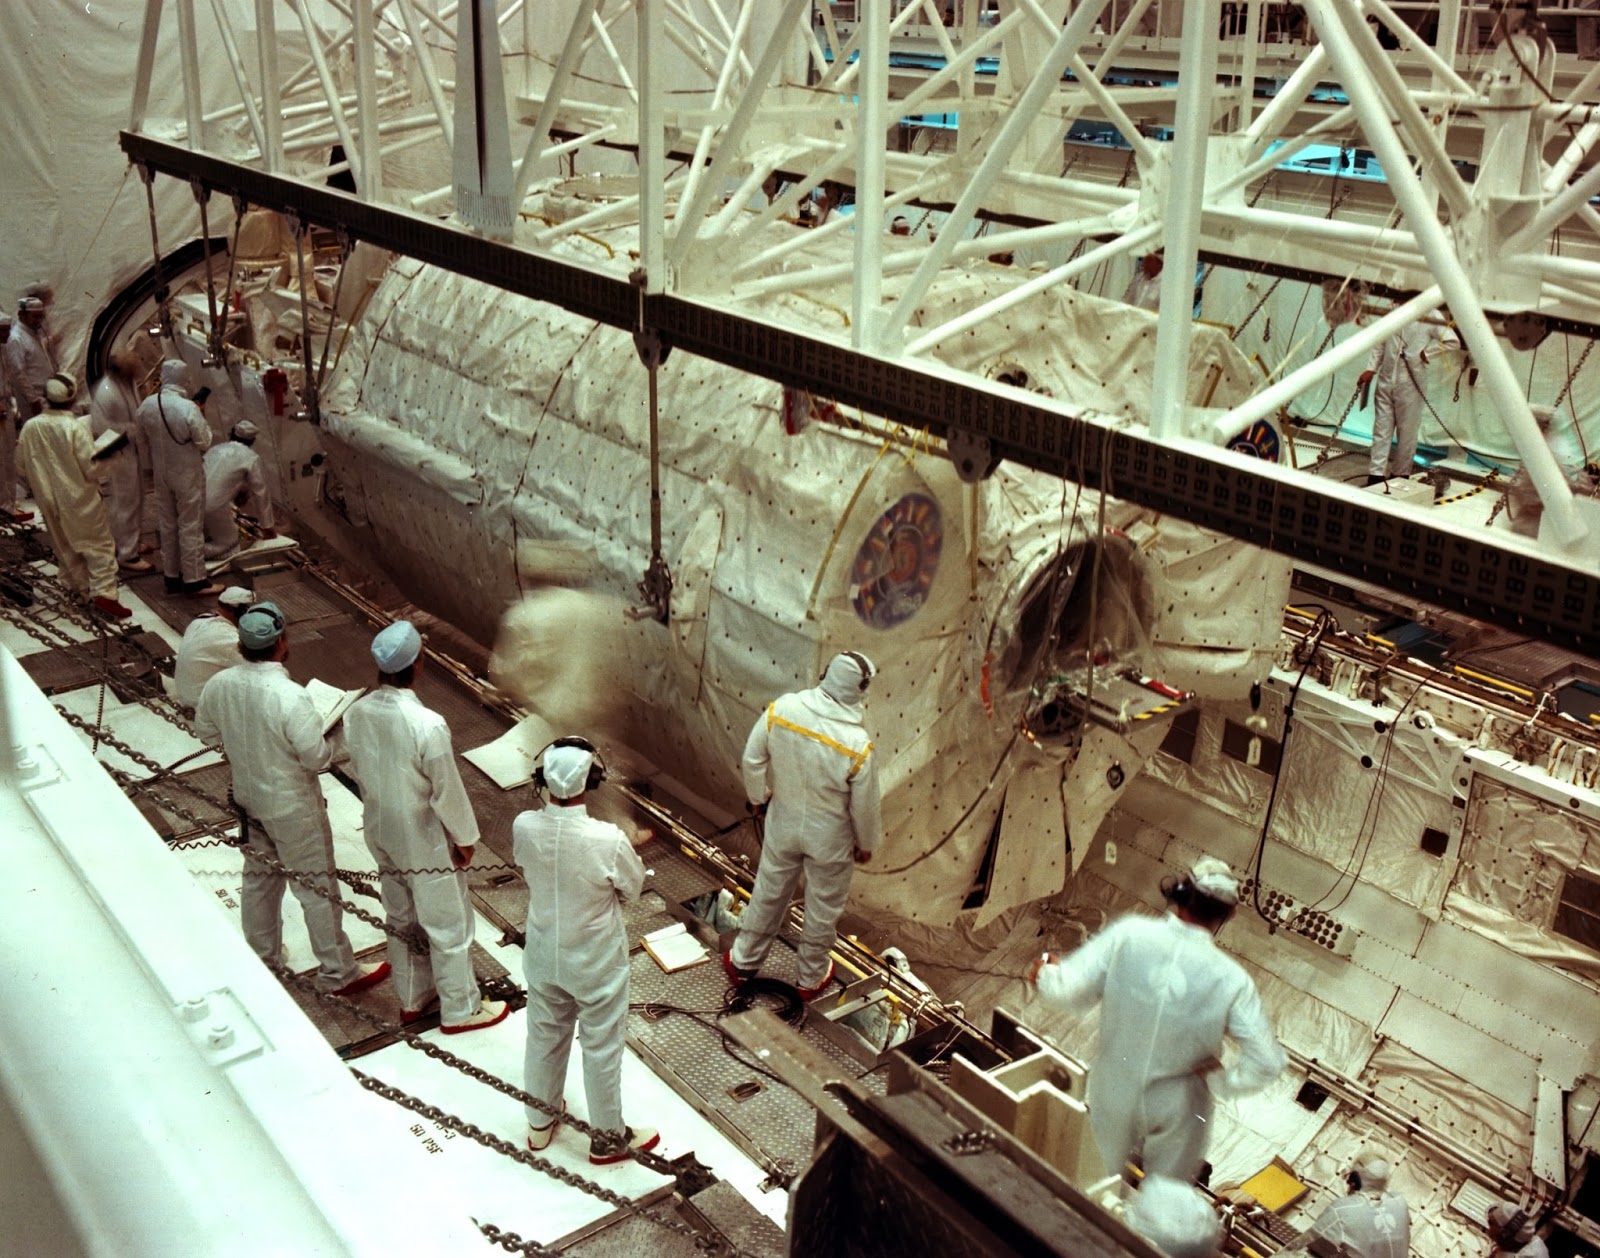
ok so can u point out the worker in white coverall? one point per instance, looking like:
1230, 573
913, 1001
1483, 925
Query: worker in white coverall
1370, 1222
273, 737
112, 404
177, 436
809, 755
55, 454
418, 817
1395, 372
233, 475
580, 871
209, 645
1174, 1217
1514, 1232
8, 437
29, 362
1169, 996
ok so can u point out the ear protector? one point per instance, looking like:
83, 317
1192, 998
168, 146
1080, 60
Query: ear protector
271, 613
1353, 1181
597, 770
1183, 893
861, 663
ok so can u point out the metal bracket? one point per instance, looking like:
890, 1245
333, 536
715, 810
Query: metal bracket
972, 454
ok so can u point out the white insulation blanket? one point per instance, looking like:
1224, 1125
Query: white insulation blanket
467, 426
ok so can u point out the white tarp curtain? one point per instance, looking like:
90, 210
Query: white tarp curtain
74, 212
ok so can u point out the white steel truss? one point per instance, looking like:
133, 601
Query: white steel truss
1483, 129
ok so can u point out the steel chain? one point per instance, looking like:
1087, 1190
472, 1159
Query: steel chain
511, 1242
707, 1244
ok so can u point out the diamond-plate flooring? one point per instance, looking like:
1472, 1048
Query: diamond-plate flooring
345, 1030
167, 796
774, 1124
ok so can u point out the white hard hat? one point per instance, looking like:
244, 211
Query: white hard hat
60, 388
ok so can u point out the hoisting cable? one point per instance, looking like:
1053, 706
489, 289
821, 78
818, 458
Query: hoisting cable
219, 329
202, 194
308, 394
346, 247
163, 313
656, 585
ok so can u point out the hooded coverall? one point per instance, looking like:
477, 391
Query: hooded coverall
1368, 1224
415, 806
29, 364
177, 436
272, 735
1170, 995
111, 409
580, 871
810, 755
1396, 366
54, 454
232, 468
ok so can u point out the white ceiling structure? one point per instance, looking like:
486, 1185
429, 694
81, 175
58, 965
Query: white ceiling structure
1482, 126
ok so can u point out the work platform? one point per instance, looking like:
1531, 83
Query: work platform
737, 1134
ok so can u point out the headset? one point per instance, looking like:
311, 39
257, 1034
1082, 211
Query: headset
65, 381
1352, 1180
597, 770
861, 662
1508, 1236
271, 613
1185, 895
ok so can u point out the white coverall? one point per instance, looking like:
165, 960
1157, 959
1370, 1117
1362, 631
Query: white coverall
232, 468
1170, 995
809, 754
580, 871
53, 452
209, 645
1536, 1248
415, 805
111, 409
1368, 1224
28, 365
1397, 378
177, 436
272, 735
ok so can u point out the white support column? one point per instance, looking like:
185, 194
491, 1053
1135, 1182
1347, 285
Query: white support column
652, 145
271, 99
149, 36
366, 50
319, 59
692, 210
1197, 84
1438, 249
241, 80
1022, 115
571, 55
866, 307
189, 53
430, 76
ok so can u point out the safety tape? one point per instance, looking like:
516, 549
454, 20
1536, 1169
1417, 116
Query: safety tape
1158, 710
857, 758
1485, 483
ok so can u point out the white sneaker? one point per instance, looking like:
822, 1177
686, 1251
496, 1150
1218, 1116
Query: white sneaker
490, 1013
539, 1138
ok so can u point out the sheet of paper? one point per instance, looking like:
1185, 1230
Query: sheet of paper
509, 760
